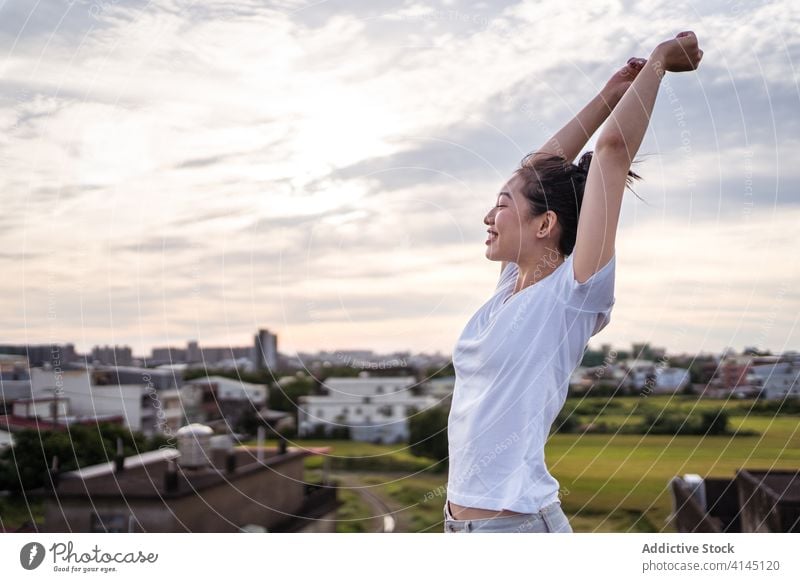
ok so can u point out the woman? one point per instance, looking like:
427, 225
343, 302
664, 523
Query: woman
556, 290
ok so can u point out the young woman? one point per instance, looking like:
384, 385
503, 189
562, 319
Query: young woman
515, 356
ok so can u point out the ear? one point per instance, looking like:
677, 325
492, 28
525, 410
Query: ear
548, 223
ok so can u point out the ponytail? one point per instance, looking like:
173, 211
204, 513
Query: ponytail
552, 183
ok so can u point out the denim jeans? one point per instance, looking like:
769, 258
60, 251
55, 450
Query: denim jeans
549, 519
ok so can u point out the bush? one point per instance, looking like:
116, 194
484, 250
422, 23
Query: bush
714, 422
565, 422
322, 431
597, 428
679, 422
788, 405
595, 407
385, 464
607, 389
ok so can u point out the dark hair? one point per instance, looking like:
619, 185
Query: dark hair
550, 182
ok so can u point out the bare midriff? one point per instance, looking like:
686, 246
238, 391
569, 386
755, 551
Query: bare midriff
461, 512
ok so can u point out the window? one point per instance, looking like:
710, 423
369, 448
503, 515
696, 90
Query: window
345, 410
379, 390
367, 400
358, 410
320, 413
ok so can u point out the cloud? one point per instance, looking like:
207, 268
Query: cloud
252, 158
62, 22
167, 245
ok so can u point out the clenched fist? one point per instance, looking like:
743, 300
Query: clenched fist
679, 54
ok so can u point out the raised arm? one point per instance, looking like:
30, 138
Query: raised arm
572, 138
616, 147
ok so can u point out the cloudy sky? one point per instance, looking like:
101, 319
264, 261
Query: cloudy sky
176, 170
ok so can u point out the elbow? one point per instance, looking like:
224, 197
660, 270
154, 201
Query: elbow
612, 141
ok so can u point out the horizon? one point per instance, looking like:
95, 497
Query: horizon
138, 354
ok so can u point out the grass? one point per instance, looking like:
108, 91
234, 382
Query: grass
353, 515
422, 498
611, 475
357, 456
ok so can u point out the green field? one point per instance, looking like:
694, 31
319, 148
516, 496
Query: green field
609, 482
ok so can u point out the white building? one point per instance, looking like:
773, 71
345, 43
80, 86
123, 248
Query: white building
232, 389
651, 377
142, 407
584, 378
375, 409
44, 408
216, 398
671, 379
440, 388
777, 380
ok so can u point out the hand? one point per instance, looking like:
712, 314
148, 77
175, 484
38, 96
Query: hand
622, 79
679, 54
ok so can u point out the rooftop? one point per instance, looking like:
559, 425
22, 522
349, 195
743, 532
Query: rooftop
143, 475
14, 423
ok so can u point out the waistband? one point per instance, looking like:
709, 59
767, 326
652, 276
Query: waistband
548, 509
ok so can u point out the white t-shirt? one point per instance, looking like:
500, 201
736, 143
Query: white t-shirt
513, 362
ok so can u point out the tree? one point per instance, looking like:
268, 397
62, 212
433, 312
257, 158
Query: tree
439, 371
286, 397
25, 465
428, 433
592, 358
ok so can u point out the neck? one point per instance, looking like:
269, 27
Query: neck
534, 268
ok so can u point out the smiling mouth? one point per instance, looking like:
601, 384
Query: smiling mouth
492, 236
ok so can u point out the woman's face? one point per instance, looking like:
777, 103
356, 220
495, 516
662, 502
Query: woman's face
512, 233
507, 224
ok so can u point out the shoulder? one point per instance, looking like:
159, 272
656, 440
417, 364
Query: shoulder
595, 294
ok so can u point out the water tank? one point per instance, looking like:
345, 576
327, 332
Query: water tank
194, 444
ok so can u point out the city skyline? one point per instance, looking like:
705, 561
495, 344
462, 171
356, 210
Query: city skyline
173, 172
363, 352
